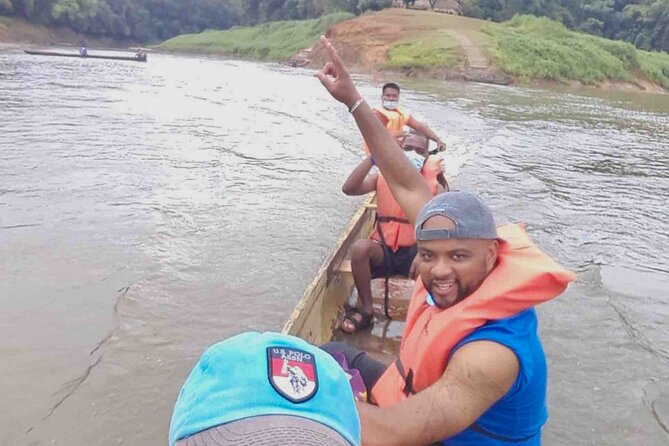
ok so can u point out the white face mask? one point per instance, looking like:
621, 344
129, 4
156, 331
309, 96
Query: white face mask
391, 105
416, 159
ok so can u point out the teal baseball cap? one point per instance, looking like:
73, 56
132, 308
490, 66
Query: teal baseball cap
265, 389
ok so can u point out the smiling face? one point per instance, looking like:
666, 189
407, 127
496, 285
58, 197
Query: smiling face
452, 269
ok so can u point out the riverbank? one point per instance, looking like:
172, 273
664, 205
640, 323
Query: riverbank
525, 50
19, 32
268, 41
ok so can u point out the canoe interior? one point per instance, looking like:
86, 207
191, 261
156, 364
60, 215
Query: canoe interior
383, 340
317, 315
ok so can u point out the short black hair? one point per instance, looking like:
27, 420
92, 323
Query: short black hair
413, 132
390, 85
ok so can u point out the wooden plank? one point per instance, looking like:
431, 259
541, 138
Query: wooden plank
359, 227
304, 308
315, 315
345, 267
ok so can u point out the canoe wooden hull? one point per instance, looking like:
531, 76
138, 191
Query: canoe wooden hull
88, 56
315, 316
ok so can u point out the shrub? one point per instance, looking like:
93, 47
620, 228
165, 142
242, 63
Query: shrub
271, 40
532, 47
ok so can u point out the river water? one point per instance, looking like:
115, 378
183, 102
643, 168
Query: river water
149, 210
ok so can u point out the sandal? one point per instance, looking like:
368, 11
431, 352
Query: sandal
366, 320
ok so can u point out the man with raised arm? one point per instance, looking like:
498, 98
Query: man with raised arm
471, 369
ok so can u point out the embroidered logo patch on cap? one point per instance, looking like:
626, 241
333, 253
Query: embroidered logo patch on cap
292, 373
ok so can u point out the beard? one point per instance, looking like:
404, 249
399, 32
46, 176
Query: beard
464, 291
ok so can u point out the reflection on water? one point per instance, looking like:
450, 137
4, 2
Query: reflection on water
149, 210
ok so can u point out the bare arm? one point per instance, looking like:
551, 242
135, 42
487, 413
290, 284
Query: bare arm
405, 182
358, 182
477, 376
423, 128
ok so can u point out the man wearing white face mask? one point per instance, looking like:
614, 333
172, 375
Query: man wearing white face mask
395, 118
392, 247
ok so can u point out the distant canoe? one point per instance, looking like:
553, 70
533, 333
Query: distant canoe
88, 56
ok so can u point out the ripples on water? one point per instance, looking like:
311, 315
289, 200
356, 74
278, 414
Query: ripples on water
148, 210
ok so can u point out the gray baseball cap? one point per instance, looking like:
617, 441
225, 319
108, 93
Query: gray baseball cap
472, 217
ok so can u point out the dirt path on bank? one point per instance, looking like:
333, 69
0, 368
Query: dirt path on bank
475, 58
364, 42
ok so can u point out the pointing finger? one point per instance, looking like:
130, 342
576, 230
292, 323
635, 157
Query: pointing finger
332, 53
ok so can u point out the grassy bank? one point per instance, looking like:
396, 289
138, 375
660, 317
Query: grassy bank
268, 41
4, 21
426, 54
539, 48
527, 48
427, 41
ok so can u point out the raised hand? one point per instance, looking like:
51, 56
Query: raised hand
335, 77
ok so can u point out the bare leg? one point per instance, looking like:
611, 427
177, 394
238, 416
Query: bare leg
364, 255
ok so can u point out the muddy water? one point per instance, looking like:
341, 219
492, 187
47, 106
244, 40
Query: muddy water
148, 210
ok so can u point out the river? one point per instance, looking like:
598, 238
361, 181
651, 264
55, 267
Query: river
149, 210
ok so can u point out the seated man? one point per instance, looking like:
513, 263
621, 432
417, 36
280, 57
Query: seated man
392, 247
265, 388
471, 369
395, 118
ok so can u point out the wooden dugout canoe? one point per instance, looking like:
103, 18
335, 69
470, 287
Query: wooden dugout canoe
88, 56
317, 315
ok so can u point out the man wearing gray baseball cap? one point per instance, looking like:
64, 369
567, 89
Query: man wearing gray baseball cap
471, 369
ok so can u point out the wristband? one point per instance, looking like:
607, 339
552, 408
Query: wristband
355, 106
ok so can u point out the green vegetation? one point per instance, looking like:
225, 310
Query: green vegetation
150, 20
269, 41
531, 47
427, 41
4, 21
655, 66
443, 51
644, 23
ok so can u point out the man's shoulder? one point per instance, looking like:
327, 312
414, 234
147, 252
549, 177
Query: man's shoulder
521, 322
514, 332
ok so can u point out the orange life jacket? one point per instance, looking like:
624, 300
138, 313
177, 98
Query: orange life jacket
397, 231
522, 278
394, 120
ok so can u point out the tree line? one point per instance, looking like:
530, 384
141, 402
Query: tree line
149, 20
644, 23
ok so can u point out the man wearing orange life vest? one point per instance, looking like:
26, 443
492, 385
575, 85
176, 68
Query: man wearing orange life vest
395, 118
471, 369
392, 247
